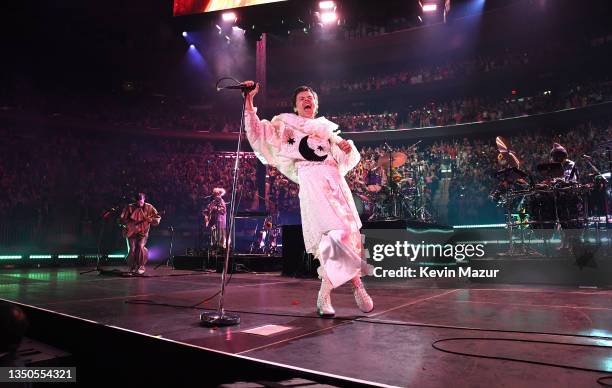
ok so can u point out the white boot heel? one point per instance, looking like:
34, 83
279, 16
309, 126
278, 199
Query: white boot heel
364, 301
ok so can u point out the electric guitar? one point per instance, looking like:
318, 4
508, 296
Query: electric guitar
132, 232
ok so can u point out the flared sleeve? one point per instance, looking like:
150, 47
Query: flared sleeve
154, 214
346, 162
265, 138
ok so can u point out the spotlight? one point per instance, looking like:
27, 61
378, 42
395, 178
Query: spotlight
429, 7
229, 17
327, 5
184, 34
238, 29
192, 46
328, 17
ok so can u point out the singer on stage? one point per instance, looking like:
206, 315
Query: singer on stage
137, 218
309, 151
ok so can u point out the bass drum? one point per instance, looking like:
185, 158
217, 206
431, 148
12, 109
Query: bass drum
569, 210
541, 210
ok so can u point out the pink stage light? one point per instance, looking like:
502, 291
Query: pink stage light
229, 17
329, 17
327, 5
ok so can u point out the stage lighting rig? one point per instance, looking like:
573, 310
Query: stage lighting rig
228, 17
327, 12
434, 10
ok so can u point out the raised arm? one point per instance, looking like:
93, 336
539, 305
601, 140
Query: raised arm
264, 136
251, 95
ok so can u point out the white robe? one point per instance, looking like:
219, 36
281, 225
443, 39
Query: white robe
306, 151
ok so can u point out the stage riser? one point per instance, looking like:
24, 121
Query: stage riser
101, 352
256, 263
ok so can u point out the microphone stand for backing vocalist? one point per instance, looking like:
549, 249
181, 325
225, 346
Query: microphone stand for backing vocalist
106, 215
170, 259
220, 317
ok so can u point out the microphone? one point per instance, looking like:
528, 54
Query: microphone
241, 86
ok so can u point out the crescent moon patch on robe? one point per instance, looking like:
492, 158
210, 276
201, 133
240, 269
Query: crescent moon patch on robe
308, 153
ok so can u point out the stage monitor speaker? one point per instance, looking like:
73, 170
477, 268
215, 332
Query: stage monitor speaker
190, 262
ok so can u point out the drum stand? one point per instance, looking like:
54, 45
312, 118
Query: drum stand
606, 204
255, 239
523, 250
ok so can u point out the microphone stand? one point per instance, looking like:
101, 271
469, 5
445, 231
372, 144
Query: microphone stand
222, 317
170, 258
105, 217
606, 201
390, 185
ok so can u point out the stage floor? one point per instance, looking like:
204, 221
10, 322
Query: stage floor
391, 346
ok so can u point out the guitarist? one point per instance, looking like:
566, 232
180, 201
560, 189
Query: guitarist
138, 218
215, 218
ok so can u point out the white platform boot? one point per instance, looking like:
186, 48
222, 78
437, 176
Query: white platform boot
324, 306
364, 302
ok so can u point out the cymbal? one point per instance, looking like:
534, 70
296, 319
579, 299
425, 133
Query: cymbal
397, 159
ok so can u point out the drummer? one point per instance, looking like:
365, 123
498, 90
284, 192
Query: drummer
376, 176
558, 154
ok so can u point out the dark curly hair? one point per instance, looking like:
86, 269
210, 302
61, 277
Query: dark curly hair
301, 89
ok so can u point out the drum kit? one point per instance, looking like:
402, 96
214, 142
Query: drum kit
391, 190
549, 199
266, 239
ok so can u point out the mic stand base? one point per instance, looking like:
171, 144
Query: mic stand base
216, 318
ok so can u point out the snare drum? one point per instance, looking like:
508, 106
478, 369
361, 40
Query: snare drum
374, 181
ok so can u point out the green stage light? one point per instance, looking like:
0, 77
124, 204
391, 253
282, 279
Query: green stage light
476, 226
67, 256
10, 257
116, 256
40, 256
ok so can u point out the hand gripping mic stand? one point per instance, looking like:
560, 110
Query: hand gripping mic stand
221, 317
